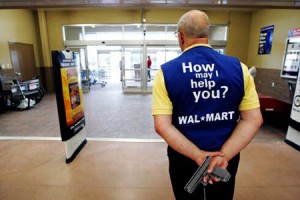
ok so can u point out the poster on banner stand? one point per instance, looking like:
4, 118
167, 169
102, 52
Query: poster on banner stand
69, 98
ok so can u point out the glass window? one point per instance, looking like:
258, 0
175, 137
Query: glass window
73, 32
155, 32
160, 32
170, 32
133, 32
106, 32
218, 32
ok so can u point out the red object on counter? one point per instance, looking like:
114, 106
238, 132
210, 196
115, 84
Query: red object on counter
271, 104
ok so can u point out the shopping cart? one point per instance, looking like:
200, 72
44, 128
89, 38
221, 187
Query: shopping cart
22, 95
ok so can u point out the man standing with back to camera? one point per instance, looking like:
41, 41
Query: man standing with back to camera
204, 104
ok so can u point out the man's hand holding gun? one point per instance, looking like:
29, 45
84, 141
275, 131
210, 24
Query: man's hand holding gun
208, 172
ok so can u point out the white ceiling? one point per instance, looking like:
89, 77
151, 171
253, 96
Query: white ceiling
35, 4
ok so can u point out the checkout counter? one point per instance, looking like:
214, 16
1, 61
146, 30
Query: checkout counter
274, 111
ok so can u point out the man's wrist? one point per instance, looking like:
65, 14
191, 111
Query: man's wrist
224, 156
197, 157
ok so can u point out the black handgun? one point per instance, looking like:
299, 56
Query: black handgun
201, 172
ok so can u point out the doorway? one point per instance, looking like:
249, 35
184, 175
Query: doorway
124, 68
158, 55
23, 60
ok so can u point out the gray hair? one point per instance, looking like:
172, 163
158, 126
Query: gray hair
194, 23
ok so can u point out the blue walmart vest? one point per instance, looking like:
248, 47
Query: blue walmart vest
206, 89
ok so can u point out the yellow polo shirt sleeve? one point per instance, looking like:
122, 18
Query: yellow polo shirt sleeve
250, 100
161, 103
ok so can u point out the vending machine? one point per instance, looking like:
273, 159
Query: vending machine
290, 71
291, 59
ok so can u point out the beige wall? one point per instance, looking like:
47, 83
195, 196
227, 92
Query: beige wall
238, 28
17, 26
243, 33
283, 20
55, 20
22, 26
238, 35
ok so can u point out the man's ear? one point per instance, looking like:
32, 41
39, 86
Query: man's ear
181, 38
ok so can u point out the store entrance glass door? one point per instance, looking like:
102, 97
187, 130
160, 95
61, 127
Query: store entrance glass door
136, 75
128, 64
132, 69
158, 55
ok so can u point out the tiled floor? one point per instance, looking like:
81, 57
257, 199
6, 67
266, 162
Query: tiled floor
133, 171
114, 170
109, 114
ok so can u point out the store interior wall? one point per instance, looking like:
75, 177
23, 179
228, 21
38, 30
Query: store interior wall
243, 33
268, 80
17, 26
238, 35
239, 23
55, 19
283, 21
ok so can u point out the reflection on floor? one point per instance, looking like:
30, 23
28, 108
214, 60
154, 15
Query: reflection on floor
269, 170
109, 114
111, 170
